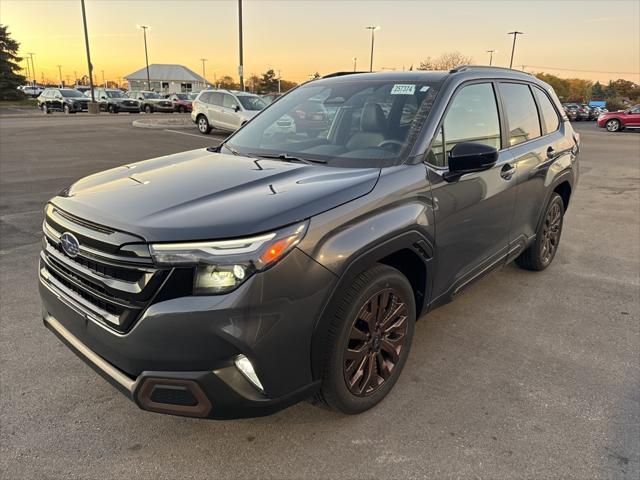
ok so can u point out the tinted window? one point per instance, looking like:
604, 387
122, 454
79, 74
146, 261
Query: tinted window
250, 102
71, 93
521, 111
228, 101
215, 98
548, 113
471, 117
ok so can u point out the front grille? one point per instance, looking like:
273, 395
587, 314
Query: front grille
111, 289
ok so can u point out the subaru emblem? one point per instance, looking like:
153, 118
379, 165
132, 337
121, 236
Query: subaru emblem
70, 244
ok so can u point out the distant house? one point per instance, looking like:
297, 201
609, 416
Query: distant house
166, 78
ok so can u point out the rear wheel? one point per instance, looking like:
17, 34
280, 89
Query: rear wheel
369, 340
612, 125
111, 109
540, 255
203, 124
148, 109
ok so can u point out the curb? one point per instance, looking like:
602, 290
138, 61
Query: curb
161, 126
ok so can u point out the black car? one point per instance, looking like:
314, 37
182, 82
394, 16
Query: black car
576, 112
67, 100
236, 280
114, 101
151, 101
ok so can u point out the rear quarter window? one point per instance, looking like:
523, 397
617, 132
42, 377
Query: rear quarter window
548, 114
521, 112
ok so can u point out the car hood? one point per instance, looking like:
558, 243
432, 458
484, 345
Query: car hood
200, 195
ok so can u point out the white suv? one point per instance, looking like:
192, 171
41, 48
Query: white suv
224, 109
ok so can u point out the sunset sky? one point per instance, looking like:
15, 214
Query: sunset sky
598, 40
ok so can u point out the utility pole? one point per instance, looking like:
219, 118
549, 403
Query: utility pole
104, 84
513, 48
241, 66
60, 73
28, 70
355, 63
203, 74
75, 75
146, 56
279, 76
86, 42
491, 52
33, 68
373, 37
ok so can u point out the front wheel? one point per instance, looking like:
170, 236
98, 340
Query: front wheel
148, 109
182, 109
111, 109
612, 125
368, 341
45, 109
540, 255
203, 125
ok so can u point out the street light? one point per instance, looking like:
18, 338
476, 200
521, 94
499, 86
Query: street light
355, 62
513, 48
60, 72
92, 107
241, 66
146, 56
104, 84
373, 35
491, 52
33, 68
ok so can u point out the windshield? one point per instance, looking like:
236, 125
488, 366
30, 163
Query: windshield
151, 95
251, 102
115, 94
182, 96
71, 93
343, 122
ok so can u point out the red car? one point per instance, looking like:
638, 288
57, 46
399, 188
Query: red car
182, 102
616, 121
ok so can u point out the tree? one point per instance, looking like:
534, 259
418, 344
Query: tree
315, 75
286, 85
228, 83
269, 82
597, 91
10, 78
446, 61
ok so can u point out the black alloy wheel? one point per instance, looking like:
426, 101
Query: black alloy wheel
375, 342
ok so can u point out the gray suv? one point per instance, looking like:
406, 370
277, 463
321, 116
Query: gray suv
224, 109
290, 263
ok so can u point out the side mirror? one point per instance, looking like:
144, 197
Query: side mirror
236, 108
469, 157
103, 98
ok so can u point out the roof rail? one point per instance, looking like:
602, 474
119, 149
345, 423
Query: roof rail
462, 68
340, 74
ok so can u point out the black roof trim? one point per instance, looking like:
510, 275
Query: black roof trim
340, 74
464, 68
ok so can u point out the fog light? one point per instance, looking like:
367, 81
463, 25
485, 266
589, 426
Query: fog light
244, 365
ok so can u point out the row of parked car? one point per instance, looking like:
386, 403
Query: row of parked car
581, 112
71, 100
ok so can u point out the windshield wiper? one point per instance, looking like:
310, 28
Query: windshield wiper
285, 157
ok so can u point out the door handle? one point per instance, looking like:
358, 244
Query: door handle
507, 172
551, 152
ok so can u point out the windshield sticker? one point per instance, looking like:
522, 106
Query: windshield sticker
403, 89
424, 89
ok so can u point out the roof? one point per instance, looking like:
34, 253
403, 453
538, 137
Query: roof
166, 72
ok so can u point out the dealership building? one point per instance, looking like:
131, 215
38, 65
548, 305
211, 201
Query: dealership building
166, 78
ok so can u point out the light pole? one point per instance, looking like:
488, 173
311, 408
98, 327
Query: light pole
513, 48
373, 36
355, 63
204, 77
86, 42
279, 77
60, 73
104, 84
75, 75
491, 52
146, 56
28, 70
241, 66
33, 68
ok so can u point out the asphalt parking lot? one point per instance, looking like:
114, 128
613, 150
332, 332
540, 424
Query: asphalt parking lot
526, 375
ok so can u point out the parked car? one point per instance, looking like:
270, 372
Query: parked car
616, 121
114, 101
31, 90
579, 112
182, 102
67, 100
239, 279
151, 101
224, 109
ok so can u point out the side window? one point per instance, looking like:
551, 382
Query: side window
228, 101
521, 111
215, 98
635, 110
472, 117
547, 112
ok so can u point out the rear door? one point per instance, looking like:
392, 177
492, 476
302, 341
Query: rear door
536, 140
472, 214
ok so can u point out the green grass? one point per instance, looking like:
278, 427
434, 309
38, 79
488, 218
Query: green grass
26, 102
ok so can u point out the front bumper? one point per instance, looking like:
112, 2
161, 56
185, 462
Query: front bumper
189, 344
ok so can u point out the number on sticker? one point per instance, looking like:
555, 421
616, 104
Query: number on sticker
403, 89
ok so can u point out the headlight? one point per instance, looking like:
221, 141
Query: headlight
223, 265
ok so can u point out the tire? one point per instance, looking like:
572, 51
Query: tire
345, 386
45, 109
148, 109
182, 109
613, 125
203, 124
542, 252
66, 109
111, 109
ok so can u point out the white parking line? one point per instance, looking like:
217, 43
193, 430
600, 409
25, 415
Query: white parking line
185, 133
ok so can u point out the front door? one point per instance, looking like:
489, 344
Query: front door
472, 214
